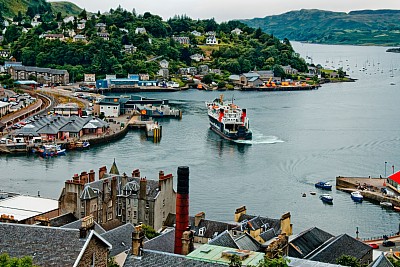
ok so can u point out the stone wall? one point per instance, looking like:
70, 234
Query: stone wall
97, 251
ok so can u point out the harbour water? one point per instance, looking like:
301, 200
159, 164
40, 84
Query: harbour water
299, 138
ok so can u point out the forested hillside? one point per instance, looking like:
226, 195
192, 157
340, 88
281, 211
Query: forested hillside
364, 27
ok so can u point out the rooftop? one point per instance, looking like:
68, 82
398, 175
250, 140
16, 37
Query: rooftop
25, 207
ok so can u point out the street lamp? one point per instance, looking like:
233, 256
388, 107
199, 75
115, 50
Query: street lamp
357, 232
385, 168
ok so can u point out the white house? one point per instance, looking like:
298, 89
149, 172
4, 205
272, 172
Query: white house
237, 31
140, 31
109, 109
197, 57
211, 40
196, 33
79, 37
164, 64
69, 19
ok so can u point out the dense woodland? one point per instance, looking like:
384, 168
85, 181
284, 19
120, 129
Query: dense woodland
234, 54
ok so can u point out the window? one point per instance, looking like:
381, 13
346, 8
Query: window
163, 203
201, 231
92, 264
163, 214
147, 205
110, 216
134, 214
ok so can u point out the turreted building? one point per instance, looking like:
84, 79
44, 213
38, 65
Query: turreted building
116, 199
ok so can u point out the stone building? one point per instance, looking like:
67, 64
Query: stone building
52, 246
115, 199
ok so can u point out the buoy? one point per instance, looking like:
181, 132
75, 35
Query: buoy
304, 195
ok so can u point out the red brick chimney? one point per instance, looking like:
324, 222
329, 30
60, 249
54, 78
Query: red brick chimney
84, 177
102, 171
182, 207
92, 175
136, 173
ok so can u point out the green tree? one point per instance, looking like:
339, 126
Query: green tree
347, 260
149, 232
277, 262
235, 261
8, 261
207, 79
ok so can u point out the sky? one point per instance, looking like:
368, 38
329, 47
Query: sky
224, 10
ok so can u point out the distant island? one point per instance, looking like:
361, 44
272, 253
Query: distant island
363, 27
393, 50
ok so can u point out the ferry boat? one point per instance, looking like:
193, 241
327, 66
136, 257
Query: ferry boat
228, 120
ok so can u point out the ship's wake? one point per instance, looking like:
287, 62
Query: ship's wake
260, 139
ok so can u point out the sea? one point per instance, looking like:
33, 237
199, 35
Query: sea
299, 138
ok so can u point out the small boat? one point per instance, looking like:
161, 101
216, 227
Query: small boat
324, 185
386, 204
392, 83
313, 193
396, 208
60, 152
356, 196
304, 195
326, 198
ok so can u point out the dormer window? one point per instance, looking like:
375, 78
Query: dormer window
201, 231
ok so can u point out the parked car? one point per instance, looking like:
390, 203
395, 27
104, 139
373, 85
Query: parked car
374, 246
388, 243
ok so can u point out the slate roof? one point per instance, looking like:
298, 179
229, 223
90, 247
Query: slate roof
246, 242
62, 220
212, 228
43, 244
336, 247
307, 241
268, 235
381, 261
256, 222
89, 193
251, 74
162, 243
77, 224
153, 258
120, 238
295, 262
224, 239
152, 189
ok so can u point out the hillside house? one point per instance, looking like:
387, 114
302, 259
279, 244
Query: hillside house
211, 40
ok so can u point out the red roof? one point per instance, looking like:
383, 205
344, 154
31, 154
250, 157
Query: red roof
395, 177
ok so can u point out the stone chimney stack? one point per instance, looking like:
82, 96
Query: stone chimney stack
102, 171
92, 175
137, 241
182, 207
160, 179
239, 212
198, 217
84, 177
86, 226
187, 242
76, 178
143, 188
136, 173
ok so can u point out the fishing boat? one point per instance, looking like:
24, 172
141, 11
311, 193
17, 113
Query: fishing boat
326, 198
228, 120
356, 196
323, 185
386, 204
81, 145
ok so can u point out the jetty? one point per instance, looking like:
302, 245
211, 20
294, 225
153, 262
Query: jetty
371, 188
153, 129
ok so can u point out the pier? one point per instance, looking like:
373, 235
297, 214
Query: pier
370, 188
